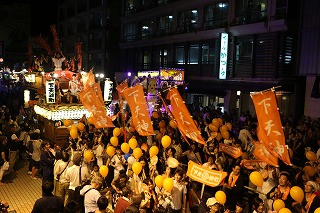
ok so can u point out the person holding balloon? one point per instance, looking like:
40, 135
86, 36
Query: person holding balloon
118, 162
179, 191
311, 201
149, 199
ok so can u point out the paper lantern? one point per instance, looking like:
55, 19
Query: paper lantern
137, 153
110, 151
74, 133
81, 126
125, 148
297, 194
284, 210
311, 156
133, 143
173, 124
221, 197
88, 155
104, 170
67, 123
256, 178
116, 132
114, 141
159, 181
136, 167
168, 184
165, 141
278, 204
154, 150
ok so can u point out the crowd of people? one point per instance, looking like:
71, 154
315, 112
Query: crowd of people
71, 183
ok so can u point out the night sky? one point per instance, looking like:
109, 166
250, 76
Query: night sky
43, 14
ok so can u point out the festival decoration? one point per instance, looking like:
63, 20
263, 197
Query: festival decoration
136, 167
165, 141
110, 151
172, 162
230, 150
309, 170
137, 153
131, 160
114, 141
221, 197
185, 123
144, 147
225, 134
285, 210
81, 126
168, 184
155, 115
88, 155
159, 181
173, 124
317, 210
125, 148
270, 131
133, 143
224, 128
297, 194
216, 122
256, 178
66, 123
311, 156
104, 170
154, 150
213, 127
278, 204
229, 125
74, 133
90, 120
116, 131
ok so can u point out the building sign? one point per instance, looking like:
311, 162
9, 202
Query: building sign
153, 74
174, 74
50, 92
108, 88
223, 55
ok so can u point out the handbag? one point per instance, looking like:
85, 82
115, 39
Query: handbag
58, 175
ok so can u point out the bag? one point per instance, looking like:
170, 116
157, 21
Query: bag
58, 175
79, 199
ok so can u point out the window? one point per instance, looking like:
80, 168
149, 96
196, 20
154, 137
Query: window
250, 11
180, 55
163, 57
146, 29
129, 32
165, 24
207, 53
187, 20
244, 50
216, 16
193, 54
146, 59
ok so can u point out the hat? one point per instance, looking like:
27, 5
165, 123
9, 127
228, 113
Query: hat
315, 185
211, 201
37, 131
14, 137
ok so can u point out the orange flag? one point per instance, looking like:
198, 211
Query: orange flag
98, 92
270, 127
121, 87
92, 103
230, 150
88, 79
261, 153
184, 120
139, 110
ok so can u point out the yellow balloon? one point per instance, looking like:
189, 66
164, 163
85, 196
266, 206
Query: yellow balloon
225, 134
116, 132
213, 127
154, 150
104, 171
66, 123
133, 143
317, 210
114, 141
311, 156
173, 124
73, 126
218, 137
74, 133
221, 197
297, 194
224, 128
256, 178
88, 155
159, 181
136, 167
278, 204
168, 184
125, 148
216, 122
229, 125
90, 120
165, 141
284, 210
81, 126
110, 151
137, 153
220, 121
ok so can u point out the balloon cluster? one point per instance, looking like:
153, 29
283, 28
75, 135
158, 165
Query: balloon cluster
220, 130
73, 129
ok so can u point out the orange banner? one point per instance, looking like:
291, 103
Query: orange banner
92, 103
204, 175
184, 120
261, 153
121, 87
251, 164
270, 124
98, 92
139, 110
88, 79
230, 150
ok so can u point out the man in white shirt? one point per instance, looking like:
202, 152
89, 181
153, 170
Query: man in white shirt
73, 176
179, 191
91, 194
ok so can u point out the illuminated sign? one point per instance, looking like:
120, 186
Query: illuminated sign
146, 73
223, 55
31, 78
174, 74
50, 92
108, 87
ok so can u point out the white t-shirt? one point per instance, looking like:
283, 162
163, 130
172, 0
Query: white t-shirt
179, 189
90, 198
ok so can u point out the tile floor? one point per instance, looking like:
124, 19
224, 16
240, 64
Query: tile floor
22, 192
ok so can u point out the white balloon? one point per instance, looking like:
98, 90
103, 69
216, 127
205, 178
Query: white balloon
131, 160
154, 160
172, 162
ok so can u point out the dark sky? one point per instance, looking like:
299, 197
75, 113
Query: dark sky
43, 15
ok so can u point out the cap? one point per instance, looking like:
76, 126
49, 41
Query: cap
14, 137
211, 201
37, 131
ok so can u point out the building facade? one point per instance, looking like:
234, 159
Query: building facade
262, 48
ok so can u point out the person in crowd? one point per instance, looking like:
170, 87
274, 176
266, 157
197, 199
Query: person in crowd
72, 207
4, 156
36, 142
60, 170
192, 154
47, 159
13, 143
48, 202
102, 204
118, 162
311, 201
135, 205
149, 199
213, 205
179, 199
124, 201
91, 194
258, 206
